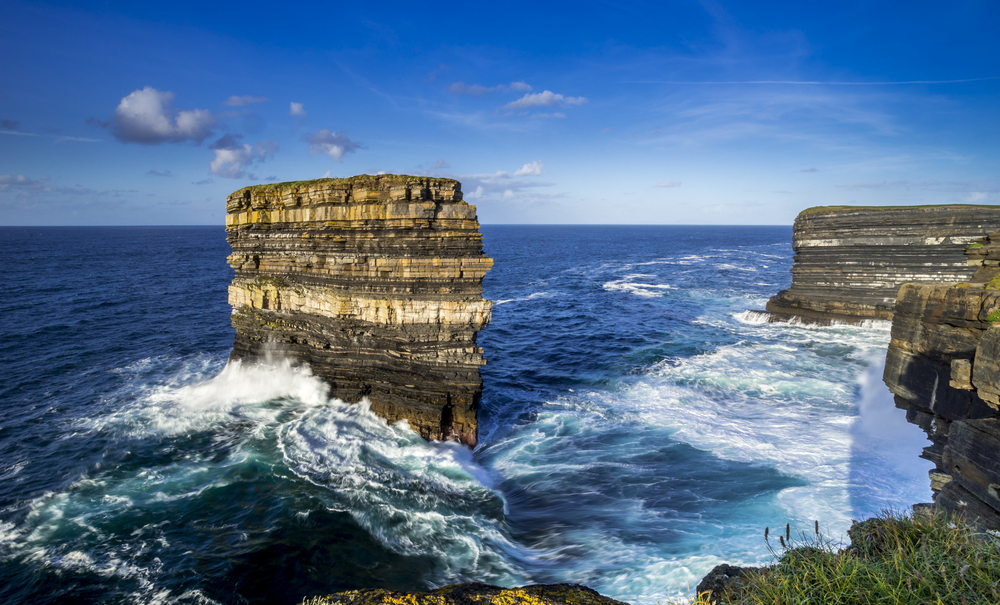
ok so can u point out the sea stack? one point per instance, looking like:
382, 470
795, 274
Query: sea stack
850, 261
375, 282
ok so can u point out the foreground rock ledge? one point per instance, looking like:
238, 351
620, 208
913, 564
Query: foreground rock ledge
375, 282
472, 594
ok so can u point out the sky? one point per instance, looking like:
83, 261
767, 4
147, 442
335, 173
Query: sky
670, 112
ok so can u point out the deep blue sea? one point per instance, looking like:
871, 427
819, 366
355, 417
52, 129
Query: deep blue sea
638, 427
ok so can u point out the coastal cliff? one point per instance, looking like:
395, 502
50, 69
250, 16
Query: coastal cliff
943, 368
851, 261
375, 282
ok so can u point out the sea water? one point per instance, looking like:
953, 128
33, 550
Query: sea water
639, 425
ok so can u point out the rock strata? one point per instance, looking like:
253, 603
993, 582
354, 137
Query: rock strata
375, 282
943, 368
851, 261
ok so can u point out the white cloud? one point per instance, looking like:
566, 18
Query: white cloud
669, 183
544, 99
229, 163
507, 195
296, 110
147, 117
232, 157
533, 168
333, 144
475, 195
235, 101
477, 90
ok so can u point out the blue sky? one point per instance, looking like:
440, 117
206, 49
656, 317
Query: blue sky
583, 112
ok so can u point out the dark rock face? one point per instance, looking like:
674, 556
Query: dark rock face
725, 583
375, 282
943, 367
473, 593
850, 262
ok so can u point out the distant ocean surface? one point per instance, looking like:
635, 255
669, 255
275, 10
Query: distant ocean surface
638, 427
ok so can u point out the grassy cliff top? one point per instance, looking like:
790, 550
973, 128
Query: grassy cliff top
351, 181
851, 208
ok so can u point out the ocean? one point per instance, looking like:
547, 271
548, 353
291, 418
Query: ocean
639, 425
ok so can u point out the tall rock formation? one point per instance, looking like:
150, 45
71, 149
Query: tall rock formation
375, 282
851, 261
943, 367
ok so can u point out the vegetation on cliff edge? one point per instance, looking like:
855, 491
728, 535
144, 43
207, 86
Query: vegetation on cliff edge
892, 559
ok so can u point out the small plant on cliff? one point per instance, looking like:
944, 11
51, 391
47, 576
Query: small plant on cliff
893, 558
994, 283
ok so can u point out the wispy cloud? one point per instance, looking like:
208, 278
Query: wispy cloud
235, 101
296, 110
669, 183
476, 90
155, 172
543, 99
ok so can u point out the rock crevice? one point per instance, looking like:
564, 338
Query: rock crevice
375, 282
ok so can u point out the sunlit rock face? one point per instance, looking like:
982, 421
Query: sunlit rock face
943, 366
375, 282
851, 261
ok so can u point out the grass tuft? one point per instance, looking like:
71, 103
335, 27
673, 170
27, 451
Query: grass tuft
892, 559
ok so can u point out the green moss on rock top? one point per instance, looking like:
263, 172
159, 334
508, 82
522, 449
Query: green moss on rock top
815, 209
361, 179
473, 593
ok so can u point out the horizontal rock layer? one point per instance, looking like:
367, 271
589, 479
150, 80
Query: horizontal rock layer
375, 282
850, 262
943, 368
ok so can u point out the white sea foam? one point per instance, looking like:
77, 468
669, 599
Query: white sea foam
629, 285
534, 296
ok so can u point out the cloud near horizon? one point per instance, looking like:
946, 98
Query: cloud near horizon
147, 117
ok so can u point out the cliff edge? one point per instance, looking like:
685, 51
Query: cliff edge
943, 368
851, 261
375, 282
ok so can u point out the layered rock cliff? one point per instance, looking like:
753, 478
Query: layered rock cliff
375, 282
851, 261
943, 367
